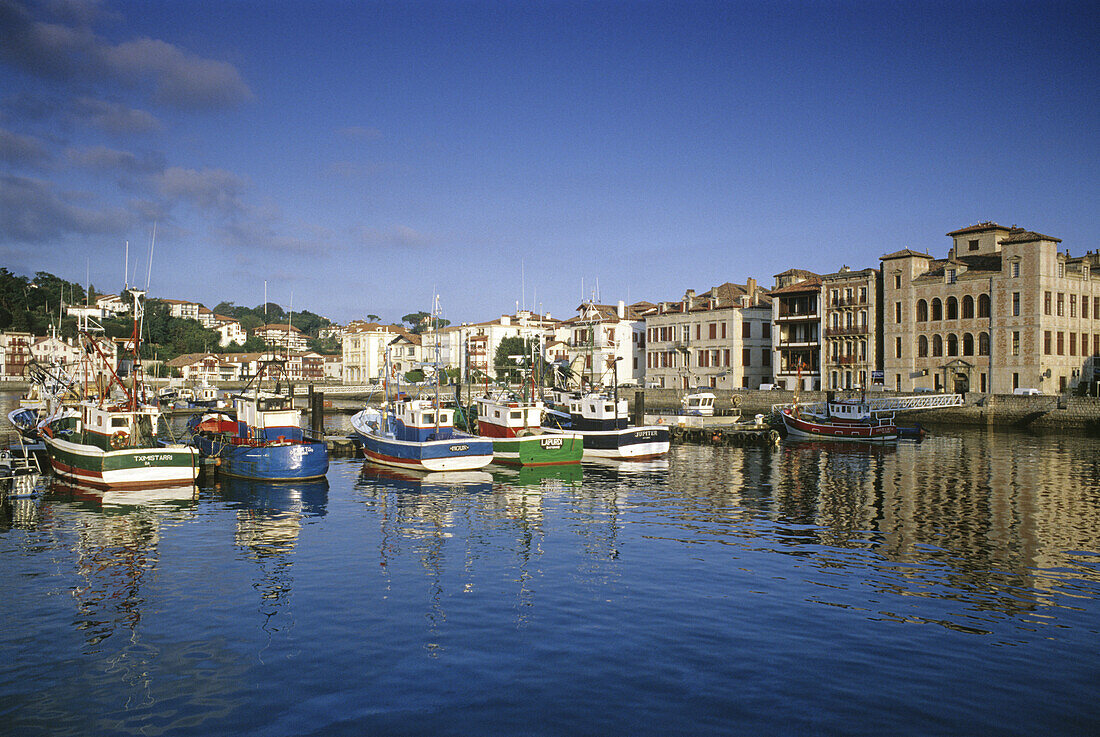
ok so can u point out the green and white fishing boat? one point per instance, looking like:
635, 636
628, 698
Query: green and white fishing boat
111, 442
518, 438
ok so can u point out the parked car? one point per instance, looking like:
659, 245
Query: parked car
1028, 391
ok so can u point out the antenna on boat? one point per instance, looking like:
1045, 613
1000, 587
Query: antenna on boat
126, 269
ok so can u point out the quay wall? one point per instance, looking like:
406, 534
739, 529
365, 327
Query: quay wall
1078, 415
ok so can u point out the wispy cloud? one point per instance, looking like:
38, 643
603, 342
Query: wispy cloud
19, 150
114, 117
108, 161
209, 189
32, 212
396, 236
260, 235
74, 52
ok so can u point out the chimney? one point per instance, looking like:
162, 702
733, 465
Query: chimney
621, 309
750, 287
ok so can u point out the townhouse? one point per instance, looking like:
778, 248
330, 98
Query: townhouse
719, 338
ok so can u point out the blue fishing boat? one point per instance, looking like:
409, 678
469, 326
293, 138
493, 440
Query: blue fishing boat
419, 434
263, 441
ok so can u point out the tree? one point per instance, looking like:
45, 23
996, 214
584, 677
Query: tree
373, 318
419, 322
513, 370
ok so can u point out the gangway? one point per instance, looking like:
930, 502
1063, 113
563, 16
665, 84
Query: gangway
890, 404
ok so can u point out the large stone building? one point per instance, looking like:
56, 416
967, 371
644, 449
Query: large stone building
1004, 311
851, 355
720, 338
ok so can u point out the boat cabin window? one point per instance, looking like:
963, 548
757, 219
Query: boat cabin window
496, 413
119, 422
609, 408
444, 418
429, 417
515, 415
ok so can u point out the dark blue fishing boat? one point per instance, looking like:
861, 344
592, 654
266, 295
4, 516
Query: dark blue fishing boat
263, 441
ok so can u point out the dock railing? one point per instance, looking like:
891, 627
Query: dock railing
891, 404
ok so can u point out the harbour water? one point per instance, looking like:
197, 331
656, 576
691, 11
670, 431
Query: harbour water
950, 587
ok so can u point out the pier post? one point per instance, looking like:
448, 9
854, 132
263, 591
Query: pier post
317, 413
639, 408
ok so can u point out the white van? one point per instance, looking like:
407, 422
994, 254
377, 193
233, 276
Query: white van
766, 387
1027, 391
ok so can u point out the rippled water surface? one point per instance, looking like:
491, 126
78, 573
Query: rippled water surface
944, 588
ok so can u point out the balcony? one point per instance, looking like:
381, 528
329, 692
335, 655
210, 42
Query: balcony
791, 316
853, 302
847, 360
853, 330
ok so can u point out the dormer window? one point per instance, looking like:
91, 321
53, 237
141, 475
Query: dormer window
951, 273
972, 245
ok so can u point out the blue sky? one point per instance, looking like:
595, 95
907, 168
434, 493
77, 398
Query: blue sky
359, 156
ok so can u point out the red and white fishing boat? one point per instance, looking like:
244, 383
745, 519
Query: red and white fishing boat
845, 419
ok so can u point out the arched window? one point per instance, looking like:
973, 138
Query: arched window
922, 347
952, 345
847, 319
968, 307
833, 380
983, 305
863, 318
836, 320
983, 344
863, 350
922, 311
937, 309
968, 344
937, 345
952, 308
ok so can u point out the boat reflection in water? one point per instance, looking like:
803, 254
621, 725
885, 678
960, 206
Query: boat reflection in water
546, 477
122, 499
305, 498
399, 479
610, 468
270, 519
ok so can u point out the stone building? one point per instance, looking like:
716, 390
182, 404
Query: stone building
851, 355
720, 338
1004, 311
796, 339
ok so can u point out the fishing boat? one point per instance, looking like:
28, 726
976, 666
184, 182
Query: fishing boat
418, 433
112, 442
700, 404
602, 421
264, 441
519, 439
843, 419
25, 420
